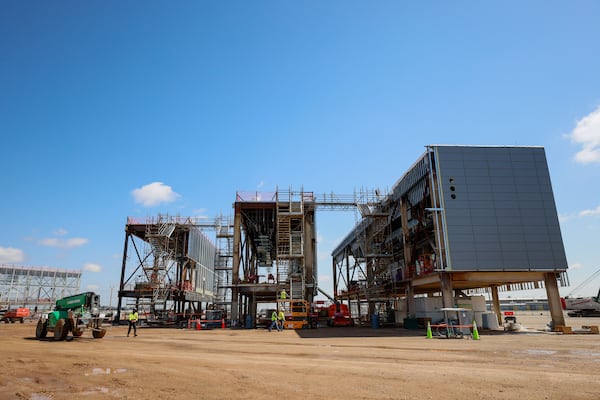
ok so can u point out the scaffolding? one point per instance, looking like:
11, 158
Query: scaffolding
275, 245
399, 248
172, 271
36, 287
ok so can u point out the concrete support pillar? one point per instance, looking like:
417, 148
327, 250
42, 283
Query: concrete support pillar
496, 304
447, 292
410, 302
556, 312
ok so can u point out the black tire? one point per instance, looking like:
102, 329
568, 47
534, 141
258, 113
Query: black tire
41, 329
60, 330
98, 333
22, 320
77, 332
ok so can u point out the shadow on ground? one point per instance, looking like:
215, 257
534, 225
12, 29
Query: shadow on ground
358, 332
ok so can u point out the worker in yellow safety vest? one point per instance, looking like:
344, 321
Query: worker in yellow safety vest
281, 320
283, 294
273, 321
133, 319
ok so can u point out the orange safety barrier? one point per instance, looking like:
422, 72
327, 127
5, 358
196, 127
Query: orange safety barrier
452, 326
198, 323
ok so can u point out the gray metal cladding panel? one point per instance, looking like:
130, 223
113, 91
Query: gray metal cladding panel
510, 230
532, 208
533, 211
483, 230
505, 188
488, 246
476, 171
465, 262
461, 203
464, 240
480, 196
514, 257
456, 173
455, 164
528, 196
501, 212
500, 197
457, 222
478, 187
525, 180
536, 232
482, 204
515, 247
489, 262
506, 209
509, 221
463, 230
485, 220
500, 172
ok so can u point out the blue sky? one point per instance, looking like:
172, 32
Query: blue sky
111, 109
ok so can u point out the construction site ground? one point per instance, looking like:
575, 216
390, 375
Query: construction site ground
326, 363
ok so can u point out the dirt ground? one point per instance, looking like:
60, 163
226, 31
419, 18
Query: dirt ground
326, 363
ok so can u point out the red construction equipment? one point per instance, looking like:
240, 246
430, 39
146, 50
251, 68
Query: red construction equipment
339, 315
16, 314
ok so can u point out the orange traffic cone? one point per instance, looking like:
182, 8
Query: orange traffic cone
223, 323
198, 325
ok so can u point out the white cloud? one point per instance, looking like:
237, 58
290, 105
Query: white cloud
575, 266
91, 267
260, 184
154, 194
63, 243
92, 288
587, 133
60, 232
590, 213
10, 255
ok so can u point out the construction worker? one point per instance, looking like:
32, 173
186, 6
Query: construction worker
273, 321
283, 297
133, 319
281, 320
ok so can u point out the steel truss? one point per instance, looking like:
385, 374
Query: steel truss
36, 287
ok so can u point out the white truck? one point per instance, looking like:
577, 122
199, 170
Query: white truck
582, 306
588, 306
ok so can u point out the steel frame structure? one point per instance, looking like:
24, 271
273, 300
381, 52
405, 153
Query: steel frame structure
36, 287
170, 268
400, 249
274, 249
